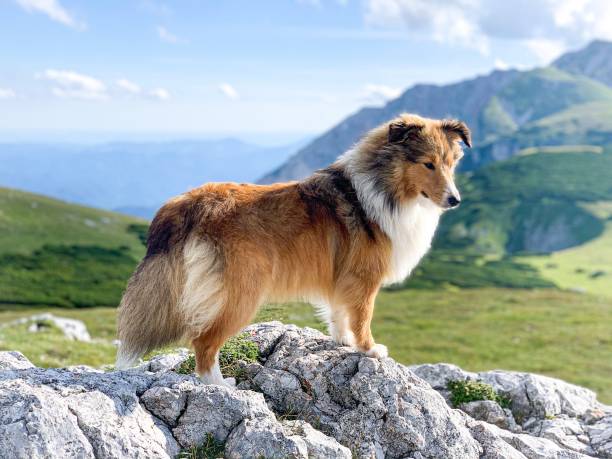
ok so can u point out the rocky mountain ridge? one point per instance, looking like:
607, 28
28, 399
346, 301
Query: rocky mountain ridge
306, 397
507, 110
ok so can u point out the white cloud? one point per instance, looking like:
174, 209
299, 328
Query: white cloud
128, 86
379, 93
446, 21
7, 93
500, 64
168, 37
229, 91
544, 27
159, 94
73, 85
545, 50
51, 8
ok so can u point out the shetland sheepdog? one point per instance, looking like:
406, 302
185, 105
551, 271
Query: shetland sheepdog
217, 252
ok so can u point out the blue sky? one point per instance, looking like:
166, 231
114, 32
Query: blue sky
276, 67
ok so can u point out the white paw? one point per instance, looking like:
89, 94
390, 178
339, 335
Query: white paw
347, 339
230, 382
378, 351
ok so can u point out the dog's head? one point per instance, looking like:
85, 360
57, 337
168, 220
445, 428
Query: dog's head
411, 156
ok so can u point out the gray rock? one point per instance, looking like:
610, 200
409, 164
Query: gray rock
165, 403
491, 412
378, 408
494, 447
339, 402
318, 444
230, 408
167, 362
600, 435
63, 413
263, 438
564, 414
13, 360
540, 396
71, 328
36, 422
564, 431
534, 447
269, 438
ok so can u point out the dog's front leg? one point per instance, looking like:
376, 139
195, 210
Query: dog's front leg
360, 318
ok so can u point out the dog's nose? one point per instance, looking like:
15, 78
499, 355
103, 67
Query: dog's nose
453, 201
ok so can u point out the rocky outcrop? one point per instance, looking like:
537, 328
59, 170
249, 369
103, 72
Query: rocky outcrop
307, 397
71, 328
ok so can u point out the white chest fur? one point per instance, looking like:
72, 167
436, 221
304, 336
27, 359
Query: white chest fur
411, 230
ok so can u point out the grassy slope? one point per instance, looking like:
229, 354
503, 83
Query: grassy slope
551, 332
29, 221
587, 267
59, 254
500, 199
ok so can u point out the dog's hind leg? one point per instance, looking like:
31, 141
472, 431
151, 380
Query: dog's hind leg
232, 318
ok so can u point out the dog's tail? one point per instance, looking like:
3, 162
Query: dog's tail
148, 315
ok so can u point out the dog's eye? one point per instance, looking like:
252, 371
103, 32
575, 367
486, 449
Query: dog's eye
430, 166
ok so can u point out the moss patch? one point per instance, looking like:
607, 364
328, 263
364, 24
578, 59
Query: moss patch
471, 391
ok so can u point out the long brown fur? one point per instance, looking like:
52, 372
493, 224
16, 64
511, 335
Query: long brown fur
215, 253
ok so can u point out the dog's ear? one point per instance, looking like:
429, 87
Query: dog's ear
459, 129
400, 131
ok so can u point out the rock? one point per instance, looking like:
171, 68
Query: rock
307, 398
71, 328
54, 413
378, 408
35, 422
165, 362
600, 435
165, 403
317, 444
295, 439
491, 412
548, 408
564, 431
230, 407
13, 360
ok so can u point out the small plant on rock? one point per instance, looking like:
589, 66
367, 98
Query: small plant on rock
188, 365
209, 449
236, 349
469, 391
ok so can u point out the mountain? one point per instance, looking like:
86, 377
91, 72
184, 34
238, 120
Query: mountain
594, 61
506, 110
133, 177
57, 254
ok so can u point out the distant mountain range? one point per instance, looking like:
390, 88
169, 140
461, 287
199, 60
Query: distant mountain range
134, 178
566, 103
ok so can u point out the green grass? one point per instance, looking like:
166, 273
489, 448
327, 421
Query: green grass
49, 348
552, 332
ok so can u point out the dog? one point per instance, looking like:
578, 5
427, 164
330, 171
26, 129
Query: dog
217, 252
